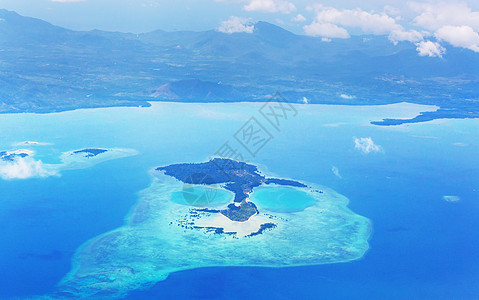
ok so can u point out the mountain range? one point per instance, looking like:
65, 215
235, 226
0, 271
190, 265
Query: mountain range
46, 68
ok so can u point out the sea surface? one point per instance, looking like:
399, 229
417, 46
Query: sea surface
422, 246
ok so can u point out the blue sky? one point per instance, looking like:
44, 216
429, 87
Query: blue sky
430, 24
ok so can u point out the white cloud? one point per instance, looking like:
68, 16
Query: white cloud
325, 30
298, 18
345, 96
459, 36
451, 198
18, 152
392, 11
454, 23
14, 166
270, 6
23, 168
369, 22
412, 36
429, 48
366, 145
236, 25
336, 173
332, 21
151, 3
436, 15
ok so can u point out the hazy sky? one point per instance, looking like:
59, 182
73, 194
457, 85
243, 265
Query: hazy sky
147, 15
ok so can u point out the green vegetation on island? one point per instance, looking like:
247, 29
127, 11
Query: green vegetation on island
237, 177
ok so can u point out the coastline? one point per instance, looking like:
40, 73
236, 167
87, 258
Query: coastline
415, 117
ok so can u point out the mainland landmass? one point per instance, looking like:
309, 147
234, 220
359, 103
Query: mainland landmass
432, 115
238, 177
46, 68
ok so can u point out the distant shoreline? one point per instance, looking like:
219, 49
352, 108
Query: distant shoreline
425, 116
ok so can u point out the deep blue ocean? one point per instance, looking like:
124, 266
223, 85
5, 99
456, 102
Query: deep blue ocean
422, 247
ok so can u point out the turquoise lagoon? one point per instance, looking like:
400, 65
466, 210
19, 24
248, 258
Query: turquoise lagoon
282, 199
92, 228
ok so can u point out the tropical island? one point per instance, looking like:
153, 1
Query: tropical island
162, 235
90, 152
87, 157
237, 177
11, 156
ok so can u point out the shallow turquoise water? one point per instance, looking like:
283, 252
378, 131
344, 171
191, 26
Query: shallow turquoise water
422, 248
282, 199
202, 197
